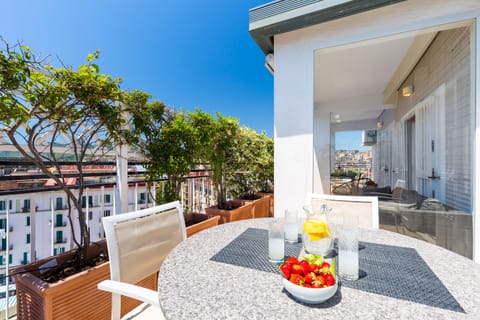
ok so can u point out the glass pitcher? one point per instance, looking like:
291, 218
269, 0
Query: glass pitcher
317, 234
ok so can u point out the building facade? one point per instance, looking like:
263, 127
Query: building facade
407, 69
35, 225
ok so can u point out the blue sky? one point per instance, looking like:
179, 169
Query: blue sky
185, 53
349, 140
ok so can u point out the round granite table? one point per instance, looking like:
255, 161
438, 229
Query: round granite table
223, 273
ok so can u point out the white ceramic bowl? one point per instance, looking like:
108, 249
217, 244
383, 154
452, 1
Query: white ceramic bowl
310, 295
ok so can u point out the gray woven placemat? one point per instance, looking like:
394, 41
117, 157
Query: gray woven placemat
391, 271
250, 250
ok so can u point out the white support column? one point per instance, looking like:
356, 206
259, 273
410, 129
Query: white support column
323, 152
114, 206
52, 227
121, 194
294, 105
102, 201
154, 194
135, 197
87, 206
476, 99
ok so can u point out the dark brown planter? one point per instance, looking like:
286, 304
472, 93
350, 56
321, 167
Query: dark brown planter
76, 297
197, 222
240, 213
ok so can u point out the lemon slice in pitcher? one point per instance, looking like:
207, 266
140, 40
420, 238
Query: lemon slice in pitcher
316, 229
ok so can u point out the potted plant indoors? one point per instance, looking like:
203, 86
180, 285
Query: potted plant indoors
56, 116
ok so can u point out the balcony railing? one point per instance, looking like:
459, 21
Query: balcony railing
196, 196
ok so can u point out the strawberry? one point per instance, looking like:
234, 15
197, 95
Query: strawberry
319, 281
314, 268
305, 267
297, 269
325, 268
329, 280
291, 260
285, 270
307, 285
309, 278
297, 279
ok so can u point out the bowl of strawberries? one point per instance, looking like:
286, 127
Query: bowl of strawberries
309, 279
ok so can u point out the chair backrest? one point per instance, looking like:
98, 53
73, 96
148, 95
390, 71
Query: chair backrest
366, 208
139, 241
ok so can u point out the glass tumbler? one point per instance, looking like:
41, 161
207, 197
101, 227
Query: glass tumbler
348, 262
291, 225
276, 241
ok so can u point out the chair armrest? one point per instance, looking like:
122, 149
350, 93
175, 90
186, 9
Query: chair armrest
130, 290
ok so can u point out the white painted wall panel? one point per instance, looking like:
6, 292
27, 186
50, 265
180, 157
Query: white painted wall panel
293, 96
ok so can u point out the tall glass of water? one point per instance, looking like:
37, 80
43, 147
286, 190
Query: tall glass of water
348, 262
291, 225
276, 241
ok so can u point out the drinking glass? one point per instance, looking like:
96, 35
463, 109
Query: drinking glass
276, 241
348, 264
291, 225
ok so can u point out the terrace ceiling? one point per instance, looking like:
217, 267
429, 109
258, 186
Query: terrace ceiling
359, 80
351, 80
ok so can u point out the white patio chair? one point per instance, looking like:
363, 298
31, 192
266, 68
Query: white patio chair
366, 208
137, 244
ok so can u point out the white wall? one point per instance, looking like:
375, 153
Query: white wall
322, 142
476, 98
293, 91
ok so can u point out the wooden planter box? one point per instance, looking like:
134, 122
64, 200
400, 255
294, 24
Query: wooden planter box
242, 212
76, 297
261, 207
269, 195
203, 221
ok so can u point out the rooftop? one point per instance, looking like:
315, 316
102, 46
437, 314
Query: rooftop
286, 15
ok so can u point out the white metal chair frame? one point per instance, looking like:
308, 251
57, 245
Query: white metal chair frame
122, 282
362, 199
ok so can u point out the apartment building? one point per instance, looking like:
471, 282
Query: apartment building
35, 224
